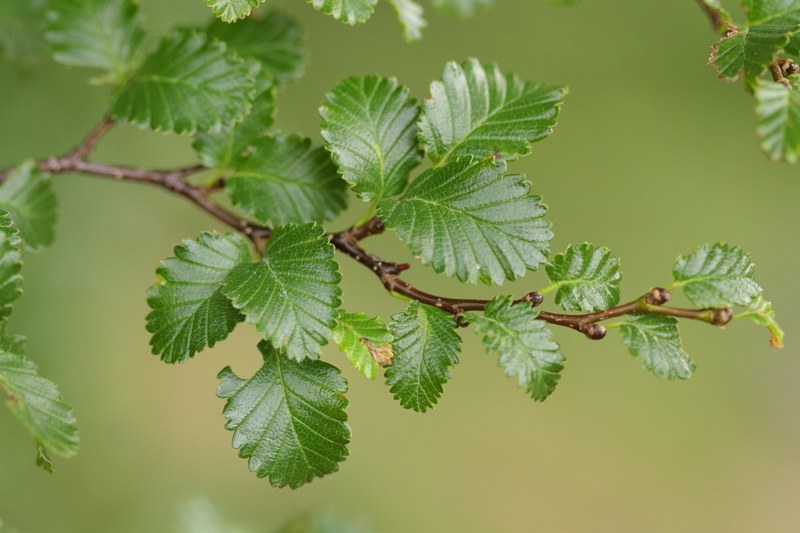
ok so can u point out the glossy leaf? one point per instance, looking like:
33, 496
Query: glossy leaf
27, 196
426, 347
286, 179
412, 18
470, 220
719, 275
187, 84
293, 294
461, 8
348, 11
359, 336
232, 10
586, 277
289, 419
479, 111
189, 310
778, 120
654, 339
369, 124
749, 51
10, 267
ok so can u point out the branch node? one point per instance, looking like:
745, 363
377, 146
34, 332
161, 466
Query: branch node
534, 298
594, 332
720, 317
657, 296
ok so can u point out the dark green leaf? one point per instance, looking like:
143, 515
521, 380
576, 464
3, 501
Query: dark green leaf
749, 51
348, 11
716, 276
771, 11
655, 340
778, 118
587, 278
359, 336
461, 8
411, 17
232, 10
289, 419
28, 197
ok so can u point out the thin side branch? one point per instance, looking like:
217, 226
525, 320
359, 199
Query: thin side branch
714, 16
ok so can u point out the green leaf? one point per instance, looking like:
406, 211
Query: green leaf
358, 336
104, 34
8, 228
286, 179
411, 16
477, 110
348, 11
461, 8
369, 124
761, 312
28, 198
655, 340
587, 278
232, 10
10, 267
716, 276
749, 51
187, 84
524, 344
22, 31
36, 402
778, 118
470, 220
771, 11
425, 347
276, 41
189, 310
293, 294
289, 419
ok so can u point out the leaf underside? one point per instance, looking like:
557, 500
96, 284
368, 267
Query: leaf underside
778, 120
232, 10
348, 11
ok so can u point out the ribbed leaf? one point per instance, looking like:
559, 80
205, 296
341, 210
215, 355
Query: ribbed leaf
105, 34
190, 311
771, 11
477, 110
761, 312
470, 220
293, 294
348, 11
363, 339
276, 41
587, 278
289, 419
232, 10
524, 344
36, 402
369, 124
187, 84
778, 116
749, 51
10, 267
425, 347
461, 8
411, 16
28, 197
716, 276
655, 340
286, 179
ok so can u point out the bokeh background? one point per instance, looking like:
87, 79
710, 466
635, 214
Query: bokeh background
652, 156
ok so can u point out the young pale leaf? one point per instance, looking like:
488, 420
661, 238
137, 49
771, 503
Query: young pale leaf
365, 342
189, 310
105, 34
761, 312
369, 124
232, 10
425, 347
716, 276
778, 117
749, 51
461, 8
293, 294
348, 11
36, 402
286, 179
187, 84
524, 344
276, 41
470, 220
655, 340
587, 278
477, 110
289, 419
411, 17
10, 267
28, 198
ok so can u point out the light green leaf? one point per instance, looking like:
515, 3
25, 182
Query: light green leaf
749, 51
276, 41
587, 278
461, 8
22, 31
293, 294
411, 16
655, 340
761, 312
36, 402
369, 124
348, 11
28, 197
189, 310
105, 34
286, 179
358, 336
716, 276
10, 267
524, 344
477, 110
771, 11
470, 220
232, 10
187, 84
425, 347
289, 419
778, 117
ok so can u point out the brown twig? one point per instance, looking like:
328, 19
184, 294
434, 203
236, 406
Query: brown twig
717, 19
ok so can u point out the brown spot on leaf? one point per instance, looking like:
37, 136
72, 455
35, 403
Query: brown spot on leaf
382, 354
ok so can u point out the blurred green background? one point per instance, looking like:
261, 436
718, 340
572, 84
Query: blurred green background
652, 156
